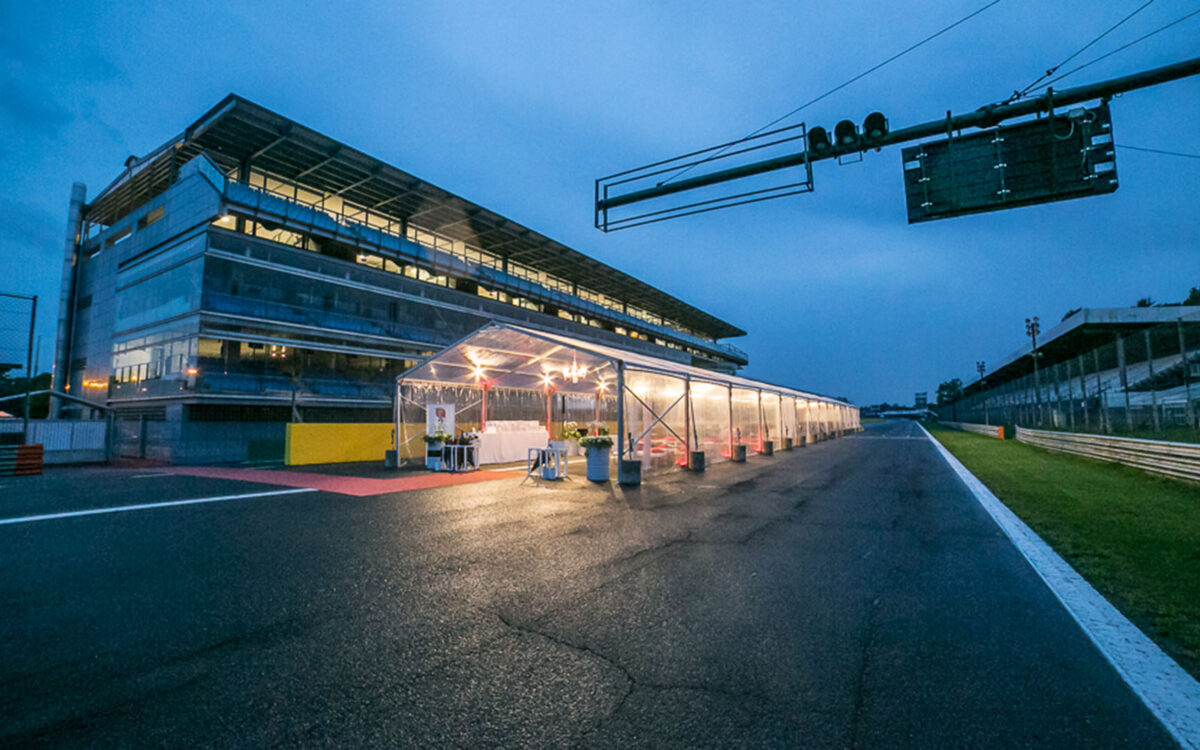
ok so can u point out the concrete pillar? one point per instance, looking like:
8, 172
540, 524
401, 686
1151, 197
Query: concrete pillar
1124, 381
1153, 390
66, 299
1187, 374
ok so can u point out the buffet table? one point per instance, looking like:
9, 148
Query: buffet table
504, 442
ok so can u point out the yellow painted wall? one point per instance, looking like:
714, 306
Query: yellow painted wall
337, 443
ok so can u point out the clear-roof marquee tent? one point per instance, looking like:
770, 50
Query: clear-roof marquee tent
657, 410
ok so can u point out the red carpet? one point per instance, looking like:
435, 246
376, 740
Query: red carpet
356, 486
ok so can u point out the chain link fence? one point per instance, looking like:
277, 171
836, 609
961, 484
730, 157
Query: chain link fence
1140, 384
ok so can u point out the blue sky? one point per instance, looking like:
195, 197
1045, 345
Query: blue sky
520, 106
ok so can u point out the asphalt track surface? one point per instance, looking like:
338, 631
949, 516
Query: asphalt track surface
850, 594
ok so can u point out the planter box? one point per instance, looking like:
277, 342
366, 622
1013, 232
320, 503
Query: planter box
598, 464
629, 473
768, 448
739, 454
696, 461
787, 444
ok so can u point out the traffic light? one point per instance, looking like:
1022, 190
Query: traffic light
875, 128
818, 141
845, 133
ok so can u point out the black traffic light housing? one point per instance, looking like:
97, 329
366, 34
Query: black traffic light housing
845, 135
818, 141
875, 128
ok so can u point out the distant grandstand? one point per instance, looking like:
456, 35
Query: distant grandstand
1100, 370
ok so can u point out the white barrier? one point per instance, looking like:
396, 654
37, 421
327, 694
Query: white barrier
65, 441
1175, 460
990, 430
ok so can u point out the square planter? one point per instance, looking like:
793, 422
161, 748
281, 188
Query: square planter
739, 454
768, 448
629, 473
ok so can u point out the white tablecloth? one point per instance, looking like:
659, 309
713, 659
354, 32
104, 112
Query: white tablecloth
507, 447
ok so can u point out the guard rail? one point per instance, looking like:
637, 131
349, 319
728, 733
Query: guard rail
990, 430
1174, 460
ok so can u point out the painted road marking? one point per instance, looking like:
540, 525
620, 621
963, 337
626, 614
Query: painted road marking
1171, 694
148, 506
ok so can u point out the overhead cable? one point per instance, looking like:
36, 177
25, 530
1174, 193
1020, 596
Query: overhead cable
833, 90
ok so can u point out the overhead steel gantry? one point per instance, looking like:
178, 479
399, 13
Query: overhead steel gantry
815, 145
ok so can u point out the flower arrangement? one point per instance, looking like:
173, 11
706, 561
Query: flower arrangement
464, 438
437, 437
600, 441
572, 431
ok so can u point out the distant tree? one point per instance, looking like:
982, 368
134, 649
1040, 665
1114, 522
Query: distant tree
39, 406
1193, 297
1145, 302
1071, 312
948, 393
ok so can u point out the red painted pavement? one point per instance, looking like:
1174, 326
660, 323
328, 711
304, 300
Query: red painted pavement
356, 486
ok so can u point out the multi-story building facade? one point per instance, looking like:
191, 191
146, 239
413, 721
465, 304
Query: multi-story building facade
252, 272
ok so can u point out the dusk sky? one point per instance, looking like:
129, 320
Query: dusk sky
520, 106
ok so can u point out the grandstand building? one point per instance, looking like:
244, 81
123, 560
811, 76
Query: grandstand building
1100, 370
251, 272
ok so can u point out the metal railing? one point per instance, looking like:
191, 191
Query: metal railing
990, 430
1174, 460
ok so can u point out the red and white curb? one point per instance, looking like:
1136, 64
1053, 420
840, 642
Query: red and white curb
1171, 694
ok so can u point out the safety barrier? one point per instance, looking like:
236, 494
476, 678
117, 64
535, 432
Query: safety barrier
18, 460
65, 441
990, 430
1175, 460
337, 443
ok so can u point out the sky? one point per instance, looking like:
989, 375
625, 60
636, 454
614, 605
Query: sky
519, 106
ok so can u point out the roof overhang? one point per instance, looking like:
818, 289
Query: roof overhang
239, 133
1080, 333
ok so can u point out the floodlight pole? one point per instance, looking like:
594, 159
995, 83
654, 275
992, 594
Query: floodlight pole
1032, 328
981, 368
985, 117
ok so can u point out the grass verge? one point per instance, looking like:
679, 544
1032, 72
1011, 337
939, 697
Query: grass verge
1134, 537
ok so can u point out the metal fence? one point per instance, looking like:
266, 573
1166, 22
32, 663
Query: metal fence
1176, 460
65, 441
1145, 383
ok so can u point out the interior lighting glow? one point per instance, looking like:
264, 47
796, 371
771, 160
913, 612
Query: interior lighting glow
575, 372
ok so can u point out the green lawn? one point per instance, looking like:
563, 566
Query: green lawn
1135, 537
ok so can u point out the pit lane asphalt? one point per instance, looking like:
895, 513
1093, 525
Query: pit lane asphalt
850, 594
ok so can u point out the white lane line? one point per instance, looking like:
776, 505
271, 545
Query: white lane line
159, 474
148, 506
1171, 694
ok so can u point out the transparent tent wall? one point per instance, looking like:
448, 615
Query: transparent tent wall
586, 410
803, 424
746, 418
710, 421
788, 407
657, 443
410, 422
771, 418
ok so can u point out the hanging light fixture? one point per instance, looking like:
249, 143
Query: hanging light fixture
575, 372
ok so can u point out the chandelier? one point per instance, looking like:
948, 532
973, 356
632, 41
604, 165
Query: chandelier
575, 372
